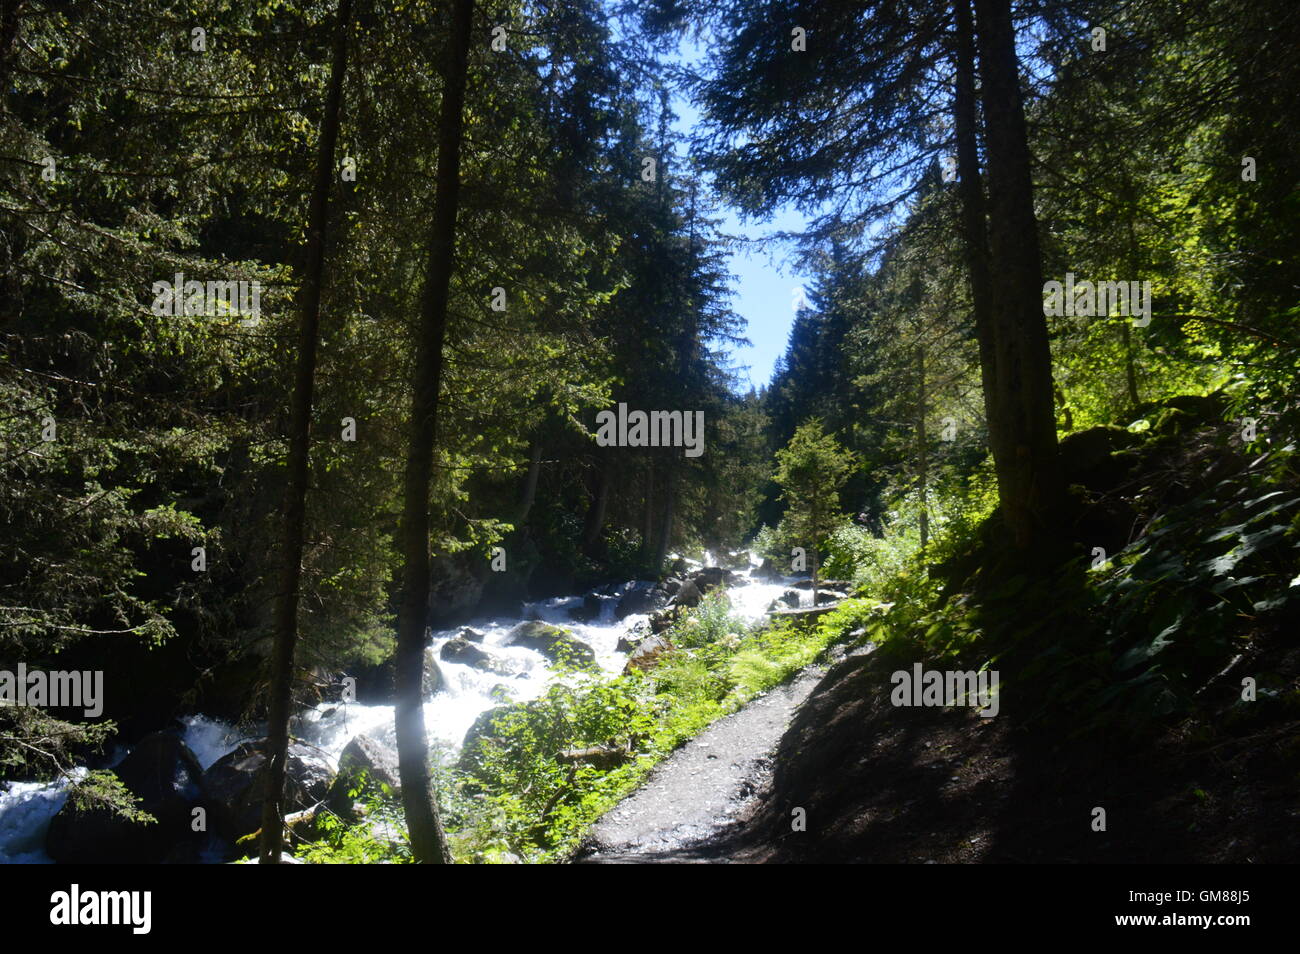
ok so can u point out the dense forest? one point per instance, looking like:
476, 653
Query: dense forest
378, 483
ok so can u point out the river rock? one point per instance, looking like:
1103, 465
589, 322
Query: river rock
767, 570
633, 638
235, 786
591, 607
375, 683
488, 725
706, 578
472, 635
463, 651
641, 600
664, 618
364, 753
688, 595
164, 774
552, 642
648, 654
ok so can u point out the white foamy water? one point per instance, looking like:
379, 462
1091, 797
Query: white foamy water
518, 674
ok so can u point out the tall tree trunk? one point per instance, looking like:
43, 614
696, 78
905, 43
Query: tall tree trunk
295, 503
595, 521
816, 553
922, 463
648, 515
670, 514
1130, 368
428, 842
970, 189
11, 13
1030, 485
529, 493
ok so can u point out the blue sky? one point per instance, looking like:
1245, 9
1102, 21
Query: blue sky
765, 279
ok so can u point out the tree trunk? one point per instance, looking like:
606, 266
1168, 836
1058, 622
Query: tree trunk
595, 521
11, 14
816, 569
666, 529
970, 189
1030, 485
428, 842
530, 484
648, 516
295, 504
920, 446
1130, 369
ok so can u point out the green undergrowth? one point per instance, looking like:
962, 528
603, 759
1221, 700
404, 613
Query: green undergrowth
508, 799
516, 801
1184, 624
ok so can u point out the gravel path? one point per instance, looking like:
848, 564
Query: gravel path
691, 798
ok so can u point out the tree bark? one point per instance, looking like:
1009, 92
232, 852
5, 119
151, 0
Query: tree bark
595, 521
424, 826
1030, 485
922, 469
816, 569
648, 515
289, 577
670, 514
1130, 368
970, 189
530, 485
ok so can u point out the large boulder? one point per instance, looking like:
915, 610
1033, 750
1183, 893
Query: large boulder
592, 605
706, 578
364, 754
488, 726
376, 758
552, 642
641, 600
167, 779
466, 653
235, 786
768, 570
634, 637
664, 618
375, 683
688, 595
647, 655
1087, 457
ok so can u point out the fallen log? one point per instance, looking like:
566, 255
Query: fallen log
601, 756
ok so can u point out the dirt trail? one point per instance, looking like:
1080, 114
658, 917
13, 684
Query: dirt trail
689, 802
